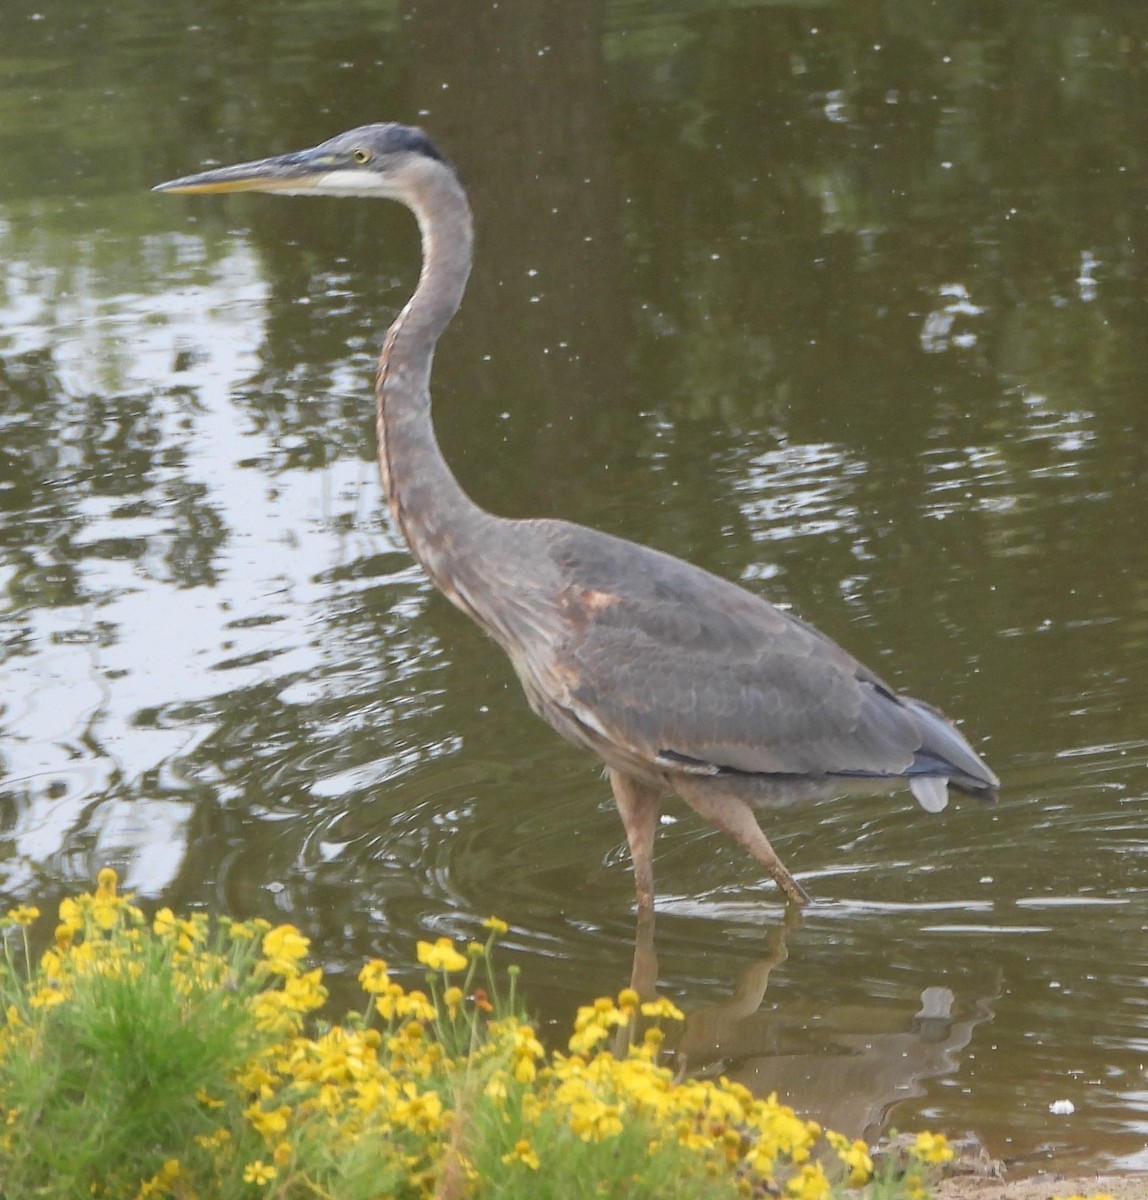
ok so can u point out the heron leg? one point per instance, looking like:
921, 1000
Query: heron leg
644, 970
733, 815
643, 978
638, 805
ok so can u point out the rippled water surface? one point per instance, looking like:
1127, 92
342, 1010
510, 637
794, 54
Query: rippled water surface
844, 301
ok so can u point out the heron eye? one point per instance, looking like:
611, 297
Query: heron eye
362, 156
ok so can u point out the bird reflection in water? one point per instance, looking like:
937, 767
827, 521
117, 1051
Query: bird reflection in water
845, 1066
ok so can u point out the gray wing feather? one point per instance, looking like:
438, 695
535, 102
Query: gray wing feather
672, 660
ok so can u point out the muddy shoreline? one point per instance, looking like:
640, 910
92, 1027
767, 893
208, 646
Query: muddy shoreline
1046, 1186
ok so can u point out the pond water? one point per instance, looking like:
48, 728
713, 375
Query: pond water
845, 301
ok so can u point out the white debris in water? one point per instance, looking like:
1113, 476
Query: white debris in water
1062, 1108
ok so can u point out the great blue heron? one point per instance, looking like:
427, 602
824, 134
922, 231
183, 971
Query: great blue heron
680, 681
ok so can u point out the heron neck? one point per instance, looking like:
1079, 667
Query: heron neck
437, 518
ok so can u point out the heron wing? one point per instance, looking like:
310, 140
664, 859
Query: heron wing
683, 668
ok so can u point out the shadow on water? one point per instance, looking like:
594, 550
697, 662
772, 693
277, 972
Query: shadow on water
845, 302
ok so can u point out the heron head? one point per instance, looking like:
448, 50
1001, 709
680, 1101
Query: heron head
373, 160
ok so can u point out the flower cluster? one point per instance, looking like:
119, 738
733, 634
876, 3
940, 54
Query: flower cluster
446, 1091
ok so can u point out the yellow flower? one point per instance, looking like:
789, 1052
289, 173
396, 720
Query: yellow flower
256, 1078
373, 977
210, 1141
71, 914
160, 1183
585, 1040
496, 925
370, 1095
185, 933
932, 1148
809, 1184
524, 1153
283, 947
653, 1038
915, 1188
331, 1099
414, 1004
268, 1123
23, 914
421, 1112
526, 1039
47, 997
276, 1012
594, 1120
442, 956
855, 1155
662, 1008
106, 882
305, 992
259, 1172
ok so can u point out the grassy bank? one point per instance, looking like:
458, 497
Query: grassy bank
182, 1057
